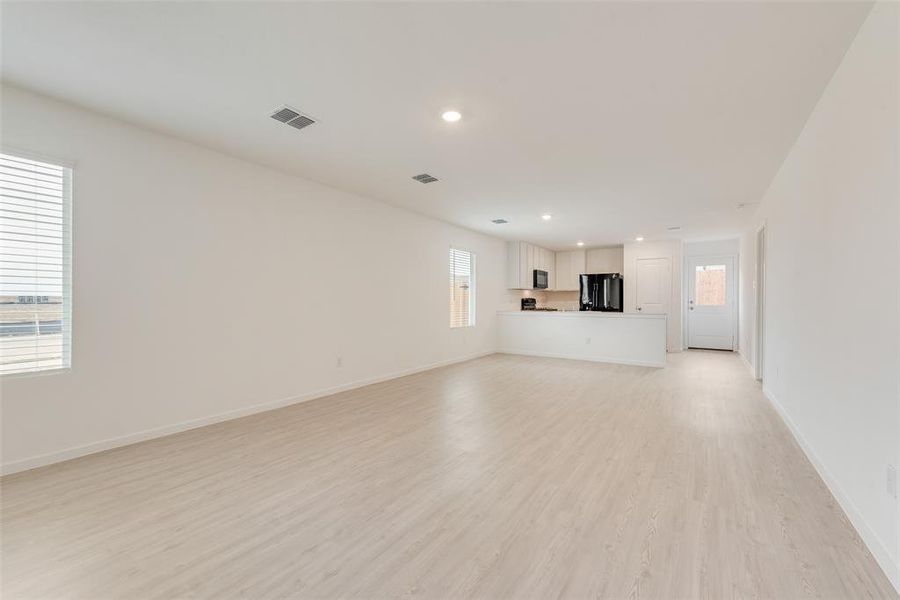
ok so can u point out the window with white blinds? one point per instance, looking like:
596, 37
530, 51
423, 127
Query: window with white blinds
462, 288
35, 265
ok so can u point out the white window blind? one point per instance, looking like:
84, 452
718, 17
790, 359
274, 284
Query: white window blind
462, 288
35, 265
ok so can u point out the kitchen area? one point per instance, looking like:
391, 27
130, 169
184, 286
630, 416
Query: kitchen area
571, 304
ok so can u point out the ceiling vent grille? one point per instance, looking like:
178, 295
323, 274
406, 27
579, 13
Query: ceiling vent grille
499, 221
425, 178
292, 117
301, 122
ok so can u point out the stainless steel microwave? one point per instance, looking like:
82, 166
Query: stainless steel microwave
540, 280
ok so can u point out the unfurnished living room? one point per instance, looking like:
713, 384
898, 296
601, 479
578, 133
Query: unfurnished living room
439, 300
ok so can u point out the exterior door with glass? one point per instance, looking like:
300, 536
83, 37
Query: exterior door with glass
711, 302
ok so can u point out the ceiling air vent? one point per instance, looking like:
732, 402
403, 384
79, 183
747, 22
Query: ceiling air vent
292, 117
425, 178
499, 221
301, 122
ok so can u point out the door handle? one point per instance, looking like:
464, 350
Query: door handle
639, 308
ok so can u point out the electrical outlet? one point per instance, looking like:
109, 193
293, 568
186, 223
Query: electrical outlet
587, 340
340, 361
892, 481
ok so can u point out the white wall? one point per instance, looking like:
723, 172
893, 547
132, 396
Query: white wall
605, 260
671, 249
205, 285
730, 247
833, 285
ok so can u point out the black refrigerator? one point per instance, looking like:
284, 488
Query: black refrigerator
601, 291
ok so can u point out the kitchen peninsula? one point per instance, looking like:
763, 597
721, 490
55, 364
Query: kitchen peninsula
623, 338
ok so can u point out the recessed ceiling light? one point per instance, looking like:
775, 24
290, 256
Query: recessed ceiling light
546, 217
451, 116
639, 238
579, 244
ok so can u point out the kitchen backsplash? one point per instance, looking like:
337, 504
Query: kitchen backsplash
545, 299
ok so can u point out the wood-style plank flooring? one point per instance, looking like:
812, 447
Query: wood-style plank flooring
503, 477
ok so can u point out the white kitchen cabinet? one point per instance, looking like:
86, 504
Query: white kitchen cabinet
551, 269
569, 265
562, 270
517, 267
546, 262
522, 259
605, 260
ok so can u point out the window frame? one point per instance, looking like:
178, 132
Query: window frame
68, 167
473, 264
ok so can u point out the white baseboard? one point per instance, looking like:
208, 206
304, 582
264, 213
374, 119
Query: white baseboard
747, 363
881, 554
633, 363
157, 432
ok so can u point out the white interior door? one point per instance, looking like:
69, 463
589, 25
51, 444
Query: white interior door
653, 285
711, 302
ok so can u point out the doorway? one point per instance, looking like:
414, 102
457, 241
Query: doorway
712, 301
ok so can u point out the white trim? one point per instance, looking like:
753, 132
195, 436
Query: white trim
633, 363
157, 432
881, 554
740, 353
759, 332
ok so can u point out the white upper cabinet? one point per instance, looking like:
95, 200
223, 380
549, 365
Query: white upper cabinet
521, 261
547, 263
563, 268
516, 265
605, 260
569, 265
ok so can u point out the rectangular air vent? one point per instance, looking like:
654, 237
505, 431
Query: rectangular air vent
301, 122
499, 221
425, 178
293, 117
285, 114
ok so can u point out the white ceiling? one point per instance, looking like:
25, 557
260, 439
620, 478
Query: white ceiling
618, 118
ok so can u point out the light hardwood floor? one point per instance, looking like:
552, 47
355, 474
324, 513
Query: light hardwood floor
503, 477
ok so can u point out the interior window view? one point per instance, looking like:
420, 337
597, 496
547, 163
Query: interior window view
462, 288
666, 366
34, 287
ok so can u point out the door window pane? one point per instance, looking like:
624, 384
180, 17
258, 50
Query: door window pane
709, 285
